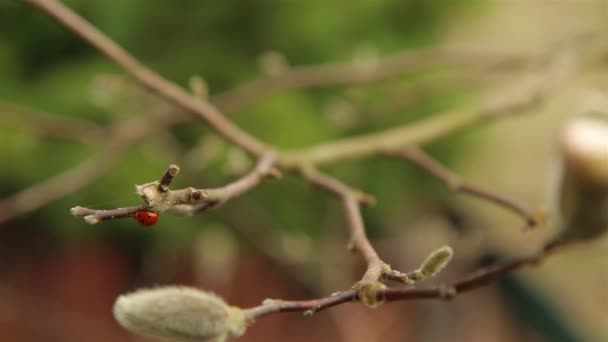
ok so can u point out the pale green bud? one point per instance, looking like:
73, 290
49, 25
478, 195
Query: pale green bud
179, 314
436, 261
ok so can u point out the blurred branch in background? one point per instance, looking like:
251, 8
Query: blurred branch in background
51, 126
508, 100
420, 158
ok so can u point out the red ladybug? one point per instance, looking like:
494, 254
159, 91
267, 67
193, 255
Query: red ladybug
146, 218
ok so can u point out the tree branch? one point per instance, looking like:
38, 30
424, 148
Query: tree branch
186, 201
479, 278
38, 195
420, 158
51, 126
357, 73
148, 78
515, 98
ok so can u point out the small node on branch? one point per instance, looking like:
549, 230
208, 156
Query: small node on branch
447, 292
199, 87
390, 274
80, 211
367, 291
171, 172
273, 173
198, 195
151, 195
365, 199
273, 63
582, 191
270, 301
91, 219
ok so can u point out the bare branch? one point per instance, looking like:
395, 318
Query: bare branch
93, 216
333, 185
350, 73
51, 126
479, 278
158, 197
350, 199
38, 195
421, 132
148, 78
513, 99
359, 240
186, 201
420, 158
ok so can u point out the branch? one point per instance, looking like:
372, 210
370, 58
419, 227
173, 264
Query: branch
148, 78
164, 183
481, 277
513, 99
376, 270
357, 73
420, 158
92, 216
421, 132
158, 197
38, 195
52, 126
350, 199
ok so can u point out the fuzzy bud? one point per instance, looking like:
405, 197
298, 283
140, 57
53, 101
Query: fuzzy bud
367, 291
436, 261
583, 185
179, 314
584, 144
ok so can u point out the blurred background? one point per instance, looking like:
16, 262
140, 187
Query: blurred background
75, 131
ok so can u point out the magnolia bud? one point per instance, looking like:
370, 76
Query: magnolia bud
583, 186
436, 261
367, 291
179, 314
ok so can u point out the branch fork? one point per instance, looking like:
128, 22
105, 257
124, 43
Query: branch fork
158, 197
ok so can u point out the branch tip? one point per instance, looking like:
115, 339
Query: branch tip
91, 219
436, 261
165, 181
75, 211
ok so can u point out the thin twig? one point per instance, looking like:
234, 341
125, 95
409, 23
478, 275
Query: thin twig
148, 78
333, 186
51, 126
513, 99
71, 180
479, 278
93, 216
351, 200
418, 133
359, 240
158, 197
185, 201
353, 73
171, 172
423, 160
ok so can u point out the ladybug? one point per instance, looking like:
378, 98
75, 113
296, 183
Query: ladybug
146, 218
